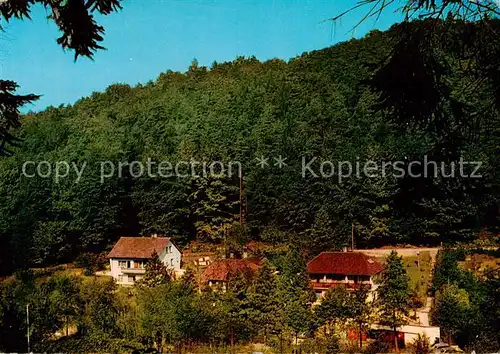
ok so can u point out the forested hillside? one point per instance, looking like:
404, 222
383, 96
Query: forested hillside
319, 105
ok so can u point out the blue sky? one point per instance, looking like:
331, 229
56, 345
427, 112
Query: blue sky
151, 36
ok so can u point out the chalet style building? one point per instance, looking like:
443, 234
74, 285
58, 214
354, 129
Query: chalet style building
354, 270
350, 270
218, 273
129, 256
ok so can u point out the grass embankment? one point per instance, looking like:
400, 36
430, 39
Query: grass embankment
419, 269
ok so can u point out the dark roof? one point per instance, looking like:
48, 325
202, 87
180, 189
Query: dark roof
345, 263
138, 247
221, 269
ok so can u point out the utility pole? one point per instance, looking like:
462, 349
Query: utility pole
28, 325
241, 198
352, 237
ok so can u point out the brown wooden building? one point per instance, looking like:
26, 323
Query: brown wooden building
350, 270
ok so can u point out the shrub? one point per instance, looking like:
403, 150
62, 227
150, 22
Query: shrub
421, 345
332, 345
90, 262
379, 345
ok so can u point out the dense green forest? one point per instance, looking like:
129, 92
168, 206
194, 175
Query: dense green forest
323, 104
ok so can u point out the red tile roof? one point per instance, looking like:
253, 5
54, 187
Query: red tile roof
138, 247
221, 269
344, 263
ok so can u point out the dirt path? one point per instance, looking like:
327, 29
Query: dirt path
423, 314
405, 252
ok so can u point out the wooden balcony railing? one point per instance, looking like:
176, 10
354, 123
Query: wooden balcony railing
133, 270
349, 286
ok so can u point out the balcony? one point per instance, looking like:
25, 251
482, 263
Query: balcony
356, 286
126, 270
349, 286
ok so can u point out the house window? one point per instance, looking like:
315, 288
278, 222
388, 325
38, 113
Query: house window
120, 278
171, 261
139, 264
124, 264
131, 278
170, 249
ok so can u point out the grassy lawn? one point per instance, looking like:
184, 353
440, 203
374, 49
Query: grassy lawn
42, 274
419, 273
68, 270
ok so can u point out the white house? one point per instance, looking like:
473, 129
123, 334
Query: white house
129, 256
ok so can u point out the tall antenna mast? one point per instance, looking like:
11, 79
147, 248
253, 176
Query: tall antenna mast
352, 237
28, 325
241, 198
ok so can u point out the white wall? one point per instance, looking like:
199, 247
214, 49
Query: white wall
116, 272
171, 257
115, 269
411, 332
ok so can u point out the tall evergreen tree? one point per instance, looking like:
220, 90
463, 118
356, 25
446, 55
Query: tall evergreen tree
267, 305
362, 312
394, 294
156, 273
296, 292
9, 113
234, 310
214, 203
